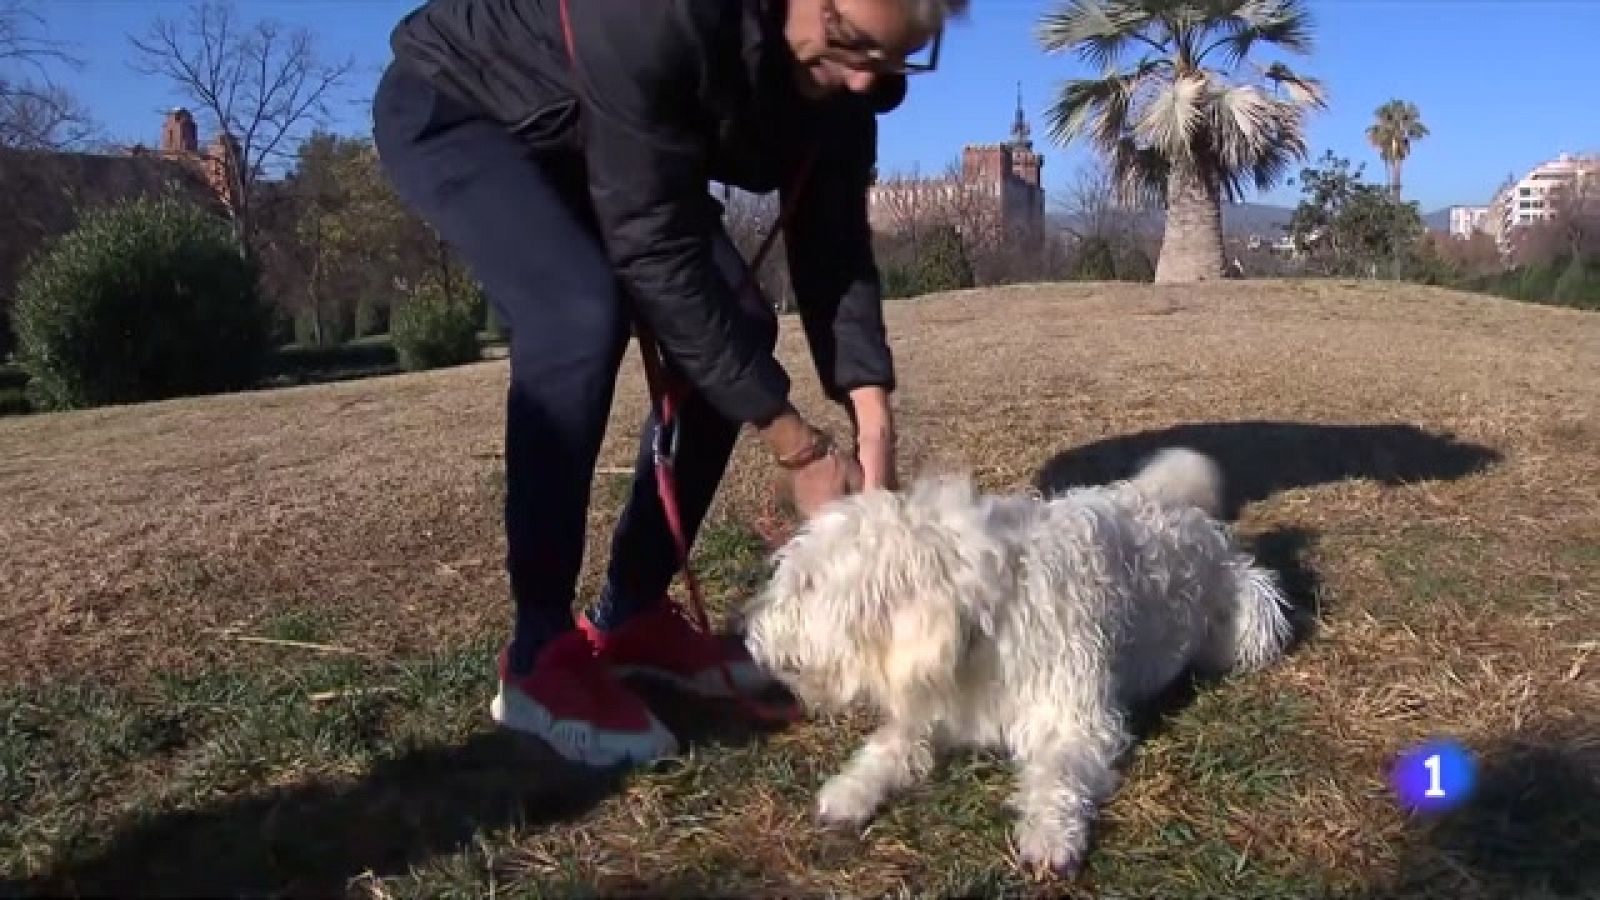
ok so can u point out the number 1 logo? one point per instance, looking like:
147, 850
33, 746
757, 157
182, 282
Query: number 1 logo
1434, 777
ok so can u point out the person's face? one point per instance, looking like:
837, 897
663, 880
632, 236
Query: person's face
849, 44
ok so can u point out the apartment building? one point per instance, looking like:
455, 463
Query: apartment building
1533, 197
1466, 221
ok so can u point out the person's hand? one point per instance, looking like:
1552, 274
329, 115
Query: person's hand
875, 454
817, 473
875, 447
823, 481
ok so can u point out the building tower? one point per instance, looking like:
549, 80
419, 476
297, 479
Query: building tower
1025, 163
179, 136
1026, 166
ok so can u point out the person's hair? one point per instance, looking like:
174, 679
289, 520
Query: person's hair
930, 15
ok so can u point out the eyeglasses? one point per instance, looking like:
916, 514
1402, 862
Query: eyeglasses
858, 51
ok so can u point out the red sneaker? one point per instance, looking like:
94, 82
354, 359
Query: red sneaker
573, 703
661, 643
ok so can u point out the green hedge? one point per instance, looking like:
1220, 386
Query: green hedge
146, 299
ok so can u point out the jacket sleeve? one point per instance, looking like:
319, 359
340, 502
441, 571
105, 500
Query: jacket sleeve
831, 263
636, 72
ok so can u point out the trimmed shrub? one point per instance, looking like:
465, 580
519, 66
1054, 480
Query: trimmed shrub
432, 328
1578, 286
144, 300
1093, 260
942, 262
1537, 284
899, 281
371, 317
1136, 265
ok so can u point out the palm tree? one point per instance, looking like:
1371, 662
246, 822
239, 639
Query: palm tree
1184, 126
1398, 123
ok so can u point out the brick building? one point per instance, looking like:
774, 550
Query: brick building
49, 190
996, 190
180, 143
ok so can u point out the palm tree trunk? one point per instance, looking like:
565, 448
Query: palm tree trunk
1191, 249
1394, 179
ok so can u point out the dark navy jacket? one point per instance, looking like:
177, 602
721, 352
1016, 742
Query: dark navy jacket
666, 96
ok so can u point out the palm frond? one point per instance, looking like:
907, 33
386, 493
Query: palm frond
1302, 90
1097, 30
1169, 121
1245, 24
1139, 174
1395, 125
1252, 134
1100, 107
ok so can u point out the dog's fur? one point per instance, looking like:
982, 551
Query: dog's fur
1024, 623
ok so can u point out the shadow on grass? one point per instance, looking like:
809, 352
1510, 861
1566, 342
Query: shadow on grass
1531, 828
1259, 458
314, 838
1285, 551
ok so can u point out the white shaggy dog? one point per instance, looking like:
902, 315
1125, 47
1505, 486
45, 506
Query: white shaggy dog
1021, 623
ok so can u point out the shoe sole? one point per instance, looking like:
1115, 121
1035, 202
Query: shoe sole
578, 741
707, 684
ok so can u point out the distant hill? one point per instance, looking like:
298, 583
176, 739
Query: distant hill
1238, 220
1245, 219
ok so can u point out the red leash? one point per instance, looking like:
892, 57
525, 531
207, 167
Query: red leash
667, 395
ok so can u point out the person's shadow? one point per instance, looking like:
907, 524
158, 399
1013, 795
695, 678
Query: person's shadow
1261, 458
1529, 829
313, 838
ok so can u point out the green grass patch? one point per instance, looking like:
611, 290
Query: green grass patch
730, 558
1580, 553
1426, 567
176, 785
305, 624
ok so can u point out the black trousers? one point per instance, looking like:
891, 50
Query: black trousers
527, 233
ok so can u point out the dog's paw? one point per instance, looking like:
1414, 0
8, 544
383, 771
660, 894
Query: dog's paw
846, 804
1050, 850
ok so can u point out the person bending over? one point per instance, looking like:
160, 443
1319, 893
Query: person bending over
566, 149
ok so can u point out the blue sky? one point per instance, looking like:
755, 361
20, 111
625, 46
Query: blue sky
1502, 84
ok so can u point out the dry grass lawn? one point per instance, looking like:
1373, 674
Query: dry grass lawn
1421, 464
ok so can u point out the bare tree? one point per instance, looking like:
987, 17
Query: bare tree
262, 86
907, 201
1090, 204
35, 113
1572, 228
1577, 212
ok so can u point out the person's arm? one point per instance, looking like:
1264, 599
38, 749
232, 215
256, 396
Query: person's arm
636, 72
835, 274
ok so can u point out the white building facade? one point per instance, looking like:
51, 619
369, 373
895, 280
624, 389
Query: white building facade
1533, 197
1466, 221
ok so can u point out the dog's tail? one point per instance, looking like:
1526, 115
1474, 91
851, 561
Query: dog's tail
1178, 476
1249, 626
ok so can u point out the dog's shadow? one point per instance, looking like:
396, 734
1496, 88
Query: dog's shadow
1261, 458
